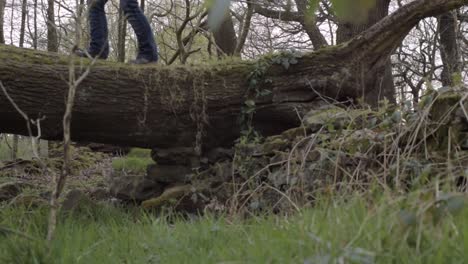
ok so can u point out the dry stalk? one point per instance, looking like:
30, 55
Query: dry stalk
59, 182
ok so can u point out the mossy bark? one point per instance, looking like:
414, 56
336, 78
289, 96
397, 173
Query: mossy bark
169, 106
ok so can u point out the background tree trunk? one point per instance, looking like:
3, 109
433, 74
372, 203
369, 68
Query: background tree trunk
12, 26
2, 17
312, 30
79, 23
121, 36
24, 10
14, 147
382, 86
449, 48
34, 38
52, 35
142, 5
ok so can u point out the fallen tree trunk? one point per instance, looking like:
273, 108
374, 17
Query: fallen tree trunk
169, 106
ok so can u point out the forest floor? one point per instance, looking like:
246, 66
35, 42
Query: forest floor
377, 225
370, 228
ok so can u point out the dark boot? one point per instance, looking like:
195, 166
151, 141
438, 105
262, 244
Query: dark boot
85, 54
140, 61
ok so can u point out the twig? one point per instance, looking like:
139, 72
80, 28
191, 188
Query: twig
59, 182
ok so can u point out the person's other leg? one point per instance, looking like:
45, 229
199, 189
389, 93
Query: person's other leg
99, 44
147, 48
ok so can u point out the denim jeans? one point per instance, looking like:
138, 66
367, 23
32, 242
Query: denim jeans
99, 45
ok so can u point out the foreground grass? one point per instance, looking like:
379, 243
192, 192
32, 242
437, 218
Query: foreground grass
355, 231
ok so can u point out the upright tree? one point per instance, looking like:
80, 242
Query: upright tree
79, 22
34, 34
2, 16
14, 148
449, 48
121, 36
52, 35
378, 87
24, 5
382, 85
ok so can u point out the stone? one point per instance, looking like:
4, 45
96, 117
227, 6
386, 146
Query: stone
316, 119
10, 190
278, 178
172, 193
173, 156
279, 157
219, 154
249, 149
99, 194
313, 155
275, 143
134, 188
335, 118
76, 199
168, 173
293, 133
222, 171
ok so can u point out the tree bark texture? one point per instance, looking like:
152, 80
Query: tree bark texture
168, 106
52, 35
312, 30
2, 21
122, 36
35, 37
383, 83
23, 22
449, 48
142, 5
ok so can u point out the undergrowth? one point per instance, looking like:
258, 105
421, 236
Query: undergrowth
368, 228
350, 186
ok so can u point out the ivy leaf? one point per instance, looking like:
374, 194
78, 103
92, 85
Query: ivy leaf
218, 9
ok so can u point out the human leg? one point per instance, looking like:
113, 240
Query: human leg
147, 49
99, 44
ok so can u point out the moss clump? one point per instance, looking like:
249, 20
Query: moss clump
169, 195
444, 105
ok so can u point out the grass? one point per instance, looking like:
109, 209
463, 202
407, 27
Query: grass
136, 161
353, 231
